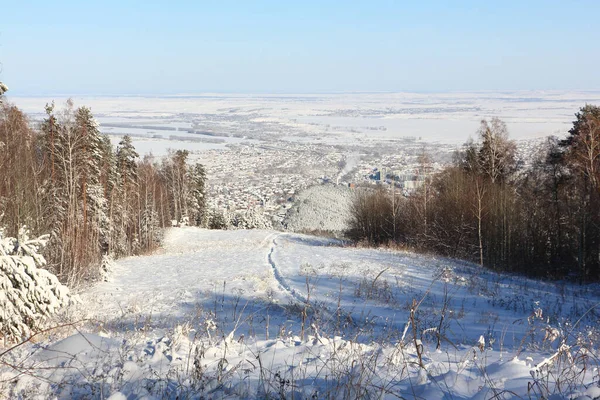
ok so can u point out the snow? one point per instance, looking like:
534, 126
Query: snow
79, 345
320, 208
344, 117
28, 293
220, 314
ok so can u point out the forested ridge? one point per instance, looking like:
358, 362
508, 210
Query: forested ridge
541, 220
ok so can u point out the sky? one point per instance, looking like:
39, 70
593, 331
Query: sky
184, 47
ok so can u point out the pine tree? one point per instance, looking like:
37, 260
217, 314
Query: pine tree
175, 173
94, 207
126, 214
53, 185
49, 137
108, 183
72, 149
196, 180
90, 161
28, 293
127, 163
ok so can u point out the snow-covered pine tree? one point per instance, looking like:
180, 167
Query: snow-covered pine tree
125, 218
150, 232
108, 183
152, 192
127, 162
256, 219
94, 207
59, 146
28, 293
90, 161
52, 187
175, 173
196, 179
49, 137
217, 219
72, 150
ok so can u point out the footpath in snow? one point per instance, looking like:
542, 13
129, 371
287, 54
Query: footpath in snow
257, 314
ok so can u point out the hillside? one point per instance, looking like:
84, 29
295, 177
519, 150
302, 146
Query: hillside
320, 208
247, 314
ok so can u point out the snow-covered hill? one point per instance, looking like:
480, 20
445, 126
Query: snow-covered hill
320, 208
256, 314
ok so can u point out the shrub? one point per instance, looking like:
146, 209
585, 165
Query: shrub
28, 293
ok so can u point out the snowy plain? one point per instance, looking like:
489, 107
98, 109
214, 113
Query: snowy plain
337, 118
265, 314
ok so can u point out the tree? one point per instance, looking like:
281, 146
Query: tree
175, 173
126, 162
422, 198
479, 196
20, 201
581, 155
217, 220
252, 218
91, 161
197, 194
453, 226
496, 155
152, 193
66, 179
49, 132
125, 199
370, 213
583, 145
28, 293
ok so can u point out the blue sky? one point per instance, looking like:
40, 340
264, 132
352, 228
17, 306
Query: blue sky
168, 47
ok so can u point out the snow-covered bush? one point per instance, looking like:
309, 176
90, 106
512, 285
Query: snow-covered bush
28, 293
3, 88
106, 268
216, 220
320, 208
253, 218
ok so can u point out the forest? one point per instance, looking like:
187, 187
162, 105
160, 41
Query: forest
65, 179
540, 218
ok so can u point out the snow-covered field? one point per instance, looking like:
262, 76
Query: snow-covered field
264, 314
334, 118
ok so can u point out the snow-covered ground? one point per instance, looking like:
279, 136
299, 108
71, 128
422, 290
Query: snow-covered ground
264, 314
320, 208
336, 119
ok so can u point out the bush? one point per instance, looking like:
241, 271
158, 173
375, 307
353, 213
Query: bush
217, 220
28, 293
252, 218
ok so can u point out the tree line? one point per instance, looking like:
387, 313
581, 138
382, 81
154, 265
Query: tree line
540, 219
64, 178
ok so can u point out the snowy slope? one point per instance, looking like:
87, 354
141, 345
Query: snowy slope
254, 314
320, 208
191, 266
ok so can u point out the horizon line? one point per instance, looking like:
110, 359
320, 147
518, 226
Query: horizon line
300, 93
